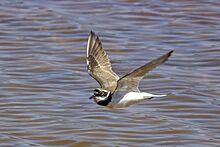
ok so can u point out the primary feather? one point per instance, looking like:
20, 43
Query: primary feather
130, 82
99, 66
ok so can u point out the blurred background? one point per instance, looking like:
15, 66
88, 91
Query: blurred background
44, 84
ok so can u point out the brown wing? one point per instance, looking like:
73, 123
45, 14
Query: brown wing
99, 66
130, 82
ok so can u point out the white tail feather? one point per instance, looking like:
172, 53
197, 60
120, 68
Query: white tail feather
161, 95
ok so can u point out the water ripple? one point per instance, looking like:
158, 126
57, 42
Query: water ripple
45, 86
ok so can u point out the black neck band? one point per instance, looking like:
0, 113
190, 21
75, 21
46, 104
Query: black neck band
106, 101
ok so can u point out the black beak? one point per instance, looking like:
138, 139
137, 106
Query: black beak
92, 97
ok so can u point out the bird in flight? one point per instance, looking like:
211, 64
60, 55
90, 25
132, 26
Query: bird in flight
116, 92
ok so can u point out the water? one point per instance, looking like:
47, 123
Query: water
45, 86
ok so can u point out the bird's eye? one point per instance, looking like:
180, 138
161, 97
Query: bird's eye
103, 93
98, 92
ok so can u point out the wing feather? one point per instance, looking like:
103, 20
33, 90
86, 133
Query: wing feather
130, 82
99, 66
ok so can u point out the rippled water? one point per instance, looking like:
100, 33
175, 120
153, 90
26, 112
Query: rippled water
45, 86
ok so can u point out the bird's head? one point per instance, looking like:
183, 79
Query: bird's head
101, 96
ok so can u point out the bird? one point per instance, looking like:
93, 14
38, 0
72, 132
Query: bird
116, 92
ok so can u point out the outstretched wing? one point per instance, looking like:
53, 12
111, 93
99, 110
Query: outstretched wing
99, 66
130, 82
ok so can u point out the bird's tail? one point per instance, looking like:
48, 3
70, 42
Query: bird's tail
160, 95
150, 96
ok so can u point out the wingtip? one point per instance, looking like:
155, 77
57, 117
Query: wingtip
92, 32
169, 53
91, 36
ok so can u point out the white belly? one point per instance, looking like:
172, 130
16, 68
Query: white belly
130, 99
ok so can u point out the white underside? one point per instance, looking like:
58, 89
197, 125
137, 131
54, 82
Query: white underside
133, 98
